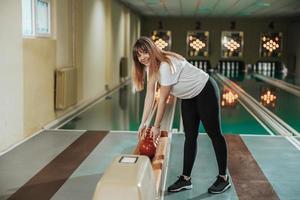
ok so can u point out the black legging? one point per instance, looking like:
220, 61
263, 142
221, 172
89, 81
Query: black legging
204, 107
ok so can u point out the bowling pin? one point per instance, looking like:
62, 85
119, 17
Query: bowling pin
264, 73
265, 66
223, 66
273, 66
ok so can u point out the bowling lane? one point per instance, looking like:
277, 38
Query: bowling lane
235, 119
286, 105
122, 110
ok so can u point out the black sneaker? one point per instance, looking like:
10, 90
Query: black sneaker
180, 184
220, 185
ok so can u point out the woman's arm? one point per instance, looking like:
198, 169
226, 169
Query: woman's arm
149, 100
164, 93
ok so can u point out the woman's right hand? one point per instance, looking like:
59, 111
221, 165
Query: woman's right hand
141, 131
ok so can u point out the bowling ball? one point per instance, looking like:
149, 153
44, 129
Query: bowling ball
147, 148
147, 145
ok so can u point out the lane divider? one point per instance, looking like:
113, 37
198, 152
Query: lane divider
293, 89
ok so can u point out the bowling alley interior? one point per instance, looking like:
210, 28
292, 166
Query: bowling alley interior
70, 111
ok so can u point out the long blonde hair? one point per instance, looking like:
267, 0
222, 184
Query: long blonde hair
146, 45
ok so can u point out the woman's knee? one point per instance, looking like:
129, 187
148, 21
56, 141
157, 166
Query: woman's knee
191, 136
215, 135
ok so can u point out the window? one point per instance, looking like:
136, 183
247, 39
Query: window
36, 15
27, 17
42, 17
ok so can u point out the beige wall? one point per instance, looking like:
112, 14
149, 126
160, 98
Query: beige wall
78, 47
105, 39
93, 48
39, 61
251, 27
11, 74
39, 64
119, 19
64, 35
135, 32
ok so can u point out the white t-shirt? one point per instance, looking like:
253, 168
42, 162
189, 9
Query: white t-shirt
187, 81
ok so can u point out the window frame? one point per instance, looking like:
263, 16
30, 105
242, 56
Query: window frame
38, 34
34, 18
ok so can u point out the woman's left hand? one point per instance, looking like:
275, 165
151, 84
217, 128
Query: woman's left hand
154, 132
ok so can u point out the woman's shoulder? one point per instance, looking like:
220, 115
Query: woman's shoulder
176, 57
164, 65
177, 61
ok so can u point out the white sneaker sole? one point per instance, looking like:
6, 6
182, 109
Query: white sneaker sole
189, 187
219, 192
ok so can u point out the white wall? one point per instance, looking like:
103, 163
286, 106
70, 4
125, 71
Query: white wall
11, 73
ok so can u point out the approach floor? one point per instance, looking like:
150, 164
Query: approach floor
60, 164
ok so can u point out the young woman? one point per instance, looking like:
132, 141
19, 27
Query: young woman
199, 102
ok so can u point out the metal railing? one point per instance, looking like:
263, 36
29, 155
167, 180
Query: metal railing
293, 89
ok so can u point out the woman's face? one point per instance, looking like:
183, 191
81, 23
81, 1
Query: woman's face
144, 58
